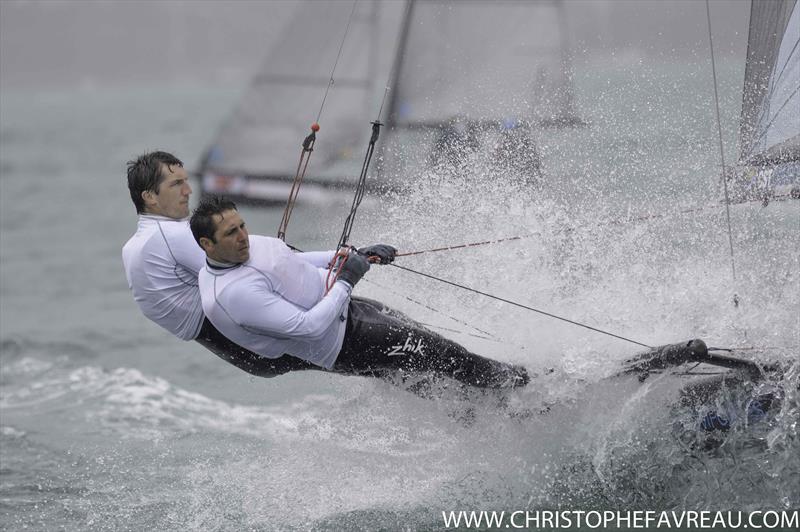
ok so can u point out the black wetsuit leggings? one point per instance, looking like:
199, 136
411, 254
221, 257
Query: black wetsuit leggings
244, 359
379, 338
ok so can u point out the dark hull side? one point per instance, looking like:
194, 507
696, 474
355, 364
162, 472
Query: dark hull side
272, 190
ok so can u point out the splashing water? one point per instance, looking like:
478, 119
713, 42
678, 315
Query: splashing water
107, 423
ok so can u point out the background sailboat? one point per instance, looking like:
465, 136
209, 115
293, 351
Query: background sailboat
255, 155
485, 73
769, 159
479, 77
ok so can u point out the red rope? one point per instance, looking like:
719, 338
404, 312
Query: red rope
335, 267
460, 246
780, 197
300, 173
338, 262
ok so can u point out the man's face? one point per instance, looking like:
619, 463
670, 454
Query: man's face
172, 196
232, 244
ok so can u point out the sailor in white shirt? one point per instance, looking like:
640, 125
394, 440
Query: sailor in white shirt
273, 301
162, 261
161, 266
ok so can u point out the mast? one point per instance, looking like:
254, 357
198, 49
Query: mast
397, 67
374, 37
567, 113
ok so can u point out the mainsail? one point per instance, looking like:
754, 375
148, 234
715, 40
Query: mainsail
255, 155
485, 61
478, 77
770, 122
498, 66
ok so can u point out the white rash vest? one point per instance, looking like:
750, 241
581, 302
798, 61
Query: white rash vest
161, 262
275, 303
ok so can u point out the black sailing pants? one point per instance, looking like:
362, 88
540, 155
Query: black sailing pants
379, 339
246, 360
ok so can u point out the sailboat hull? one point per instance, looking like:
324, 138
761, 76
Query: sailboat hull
273, 190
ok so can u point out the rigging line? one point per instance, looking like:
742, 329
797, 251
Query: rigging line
487, 335
539, 234
520, 305
457, 331
786, 64
692, 368
722, 155
697, 373
341, 256
302, 165
777, 197
361, 184
432, 309
773, 85
754, 348
461, 246
338, 55
309, 141
774, 117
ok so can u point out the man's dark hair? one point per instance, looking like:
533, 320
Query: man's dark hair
145, 173
202, 221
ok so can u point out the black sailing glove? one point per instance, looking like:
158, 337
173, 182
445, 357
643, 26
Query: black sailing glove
384, 253
353, 269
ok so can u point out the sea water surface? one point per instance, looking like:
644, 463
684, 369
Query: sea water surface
109, 423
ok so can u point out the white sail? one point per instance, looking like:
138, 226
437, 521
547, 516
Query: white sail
770, 125
483, 61
256, 152
498, 62
475, 79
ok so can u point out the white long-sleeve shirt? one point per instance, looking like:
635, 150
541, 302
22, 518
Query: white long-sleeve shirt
275, 303
162, 261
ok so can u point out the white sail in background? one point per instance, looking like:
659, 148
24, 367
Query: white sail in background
256, 152
770, 125
475, 79
483, 61
500, 65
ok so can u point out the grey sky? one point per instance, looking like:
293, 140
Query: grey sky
126, 41
50, 43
